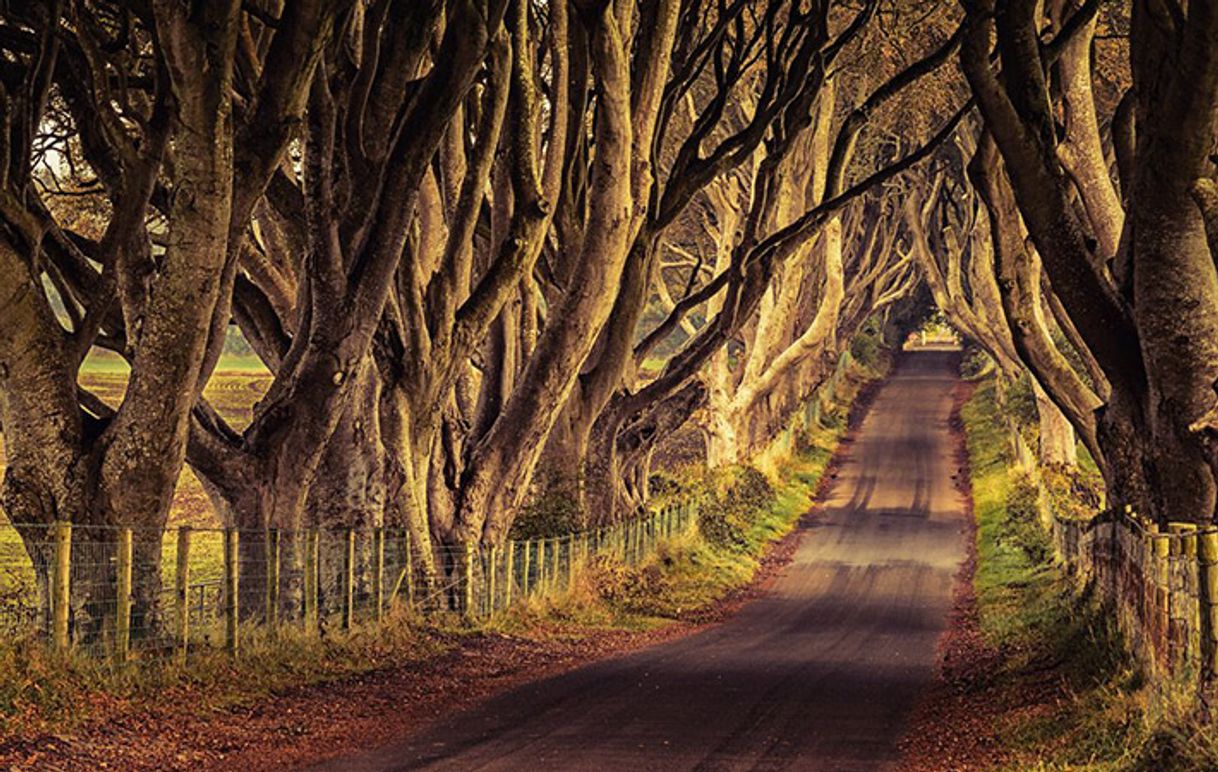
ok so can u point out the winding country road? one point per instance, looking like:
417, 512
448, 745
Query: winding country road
819, 673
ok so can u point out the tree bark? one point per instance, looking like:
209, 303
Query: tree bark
1175, 285
1019, 276
1057, 446
497, 477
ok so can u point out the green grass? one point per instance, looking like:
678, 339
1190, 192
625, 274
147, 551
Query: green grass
1049, 633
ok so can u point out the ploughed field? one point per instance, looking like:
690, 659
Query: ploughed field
238, 383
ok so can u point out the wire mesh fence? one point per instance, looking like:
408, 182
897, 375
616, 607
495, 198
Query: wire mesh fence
142, 594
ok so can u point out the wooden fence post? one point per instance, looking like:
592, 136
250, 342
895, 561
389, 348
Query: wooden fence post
575, 546
312, 550
508, 575
122, 605
1207, 591
468, 580
272, 578
1162, 549
349, 579
492, 569
542, 575
181, 581
378, 571
61, 591
232, 584
524, 575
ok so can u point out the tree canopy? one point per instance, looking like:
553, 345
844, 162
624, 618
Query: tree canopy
485, 246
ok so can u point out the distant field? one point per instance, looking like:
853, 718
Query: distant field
239, 382
100, 361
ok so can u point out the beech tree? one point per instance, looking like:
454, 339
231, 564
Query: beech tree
811, 309
333, 289
1130, 281
761, 250
144, 97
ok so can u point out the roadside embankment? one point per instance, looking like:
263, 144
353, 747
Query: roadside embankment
1035, 674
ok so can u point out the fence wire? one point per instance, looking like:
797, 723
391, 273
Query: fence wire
1161, 582
134, 594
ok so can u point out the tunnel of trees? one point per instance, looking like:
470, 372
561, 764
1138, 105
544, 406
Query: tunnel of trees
489, 246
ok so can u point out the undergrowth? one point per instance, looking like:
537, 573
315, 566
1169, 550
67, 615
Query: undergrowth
1055, 639
741, 513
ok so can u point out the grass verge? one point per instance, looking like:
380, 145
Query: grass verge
1070, 697
44, 693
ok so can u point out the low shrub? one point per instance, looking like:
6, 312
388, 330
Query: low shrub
725, 519
552, 510
975, 362
1022, 528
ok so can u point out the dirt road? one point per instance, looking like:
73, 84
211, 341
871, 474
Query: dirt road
820, 673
